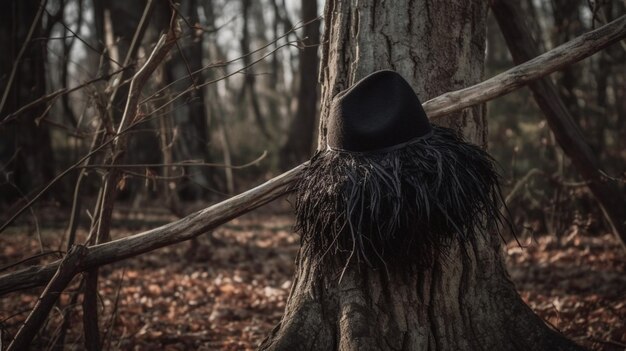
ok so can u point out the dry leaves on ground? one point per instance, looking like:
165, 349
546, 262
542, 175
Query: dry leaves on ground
227, 290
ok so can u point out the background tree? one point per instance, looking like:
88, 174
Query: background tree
555, 196
299, 143
192, 141
564, 128
26, 157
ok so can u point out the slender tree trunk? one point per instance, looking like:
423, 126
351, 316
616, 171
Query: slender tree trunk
568, 25
248, 88
124, 17
190, 118
465, 301
213, 104
299, 142
26, 156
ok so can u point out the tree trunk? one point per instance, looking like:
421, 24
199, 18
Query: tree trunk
190, 118
465, 301
26, 155
567, 24
299, 142
248, 88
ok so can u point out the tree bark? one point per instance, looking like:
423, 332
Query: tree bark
465, 301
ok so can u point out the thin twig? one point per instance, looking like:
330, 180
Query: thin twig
28, 259
518, 186
191, 163
608, 342
51, 183
56, 94
2, 321
226, 76
111, 323
229, 62
86, 43
134, 46
182, 55
77, 201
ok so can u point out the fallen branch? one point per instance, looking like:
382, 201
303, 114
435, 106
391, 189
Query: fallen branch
518, 76
67, 269
186, 228
207, 219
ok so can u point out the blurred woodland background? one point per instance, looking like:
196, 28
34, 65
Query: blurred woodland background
235, 103
241, 85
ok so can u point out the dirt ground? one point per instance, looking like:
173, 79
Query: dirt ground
226, 290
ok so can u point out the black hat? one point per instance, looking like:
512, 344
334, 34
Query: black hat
380, 112
391, 188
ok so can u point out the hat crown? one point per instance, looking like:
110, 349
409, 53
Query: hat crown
379, 112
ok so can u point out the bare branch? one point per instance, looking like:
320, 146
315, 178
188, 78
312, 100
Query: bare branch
110, 188
518, 76
138, 81
189, 163
229, 62
186, 228
132, 49
213, 81
103, 54
58, 93
31, 258
565, 130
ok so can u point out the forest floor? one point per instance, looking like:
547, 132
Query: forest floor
226, 291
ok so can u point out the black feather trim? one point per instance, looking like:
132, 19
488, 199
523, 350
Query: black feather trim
397, 207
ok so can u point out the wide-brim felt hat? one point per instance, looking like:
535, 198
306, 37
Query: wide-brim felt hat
380, 112
391, 188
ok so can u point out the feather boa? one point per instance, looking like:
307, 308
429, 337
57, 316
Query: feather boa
397, 207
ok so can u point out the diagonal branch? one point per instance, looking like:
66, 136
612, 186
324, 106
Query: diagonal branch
518, 76
567, 133
207, 219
